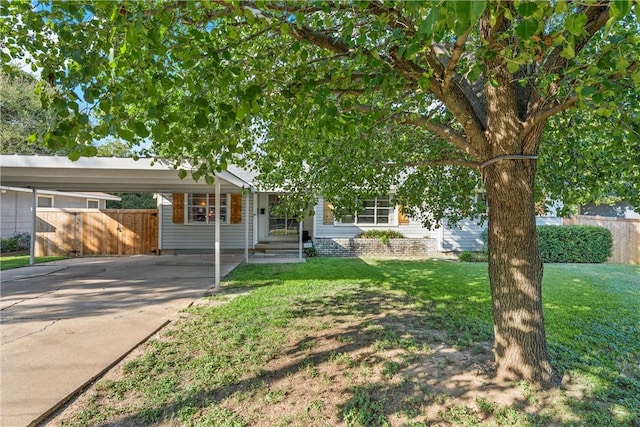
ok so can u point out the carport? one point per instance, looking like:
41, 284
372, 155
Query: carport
111, 174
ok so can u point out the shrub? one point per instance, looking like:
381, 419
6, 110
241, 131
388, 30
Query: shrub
310, 252
383, 235
467, 256
19, 242
574, 243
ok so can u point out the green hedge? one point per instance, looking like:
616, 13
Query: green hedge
574, 243
383, 235
19, 242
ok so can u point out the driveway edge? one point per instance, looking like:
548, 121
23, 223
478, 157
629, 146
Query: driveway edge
78, 391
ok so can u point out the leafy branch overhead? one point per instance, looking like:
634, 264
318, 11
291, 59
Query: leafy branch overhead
199, 78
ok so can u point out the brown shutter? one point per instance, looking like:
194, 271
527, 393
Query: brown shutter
327, 213
178, 208
402, 218
236, 208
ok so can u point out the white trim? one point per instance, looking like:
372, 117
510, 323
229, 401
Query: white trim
104, 174
255, 219
246, 227
393, 215
159, 204
93, 200
216, 249
32, 238
99, 196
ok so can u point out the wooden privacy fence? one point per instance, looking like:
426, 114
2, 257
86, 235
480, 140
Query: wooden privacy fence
82, 232
625, 233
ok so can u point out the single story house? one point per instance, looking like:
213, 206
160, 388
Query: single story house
187, 208
15, 205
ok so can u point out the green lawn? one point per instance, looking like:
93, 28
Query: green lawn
7, 262
377, 342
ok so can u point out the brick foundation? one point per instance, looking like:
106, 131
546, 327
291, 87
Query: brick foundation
374, 247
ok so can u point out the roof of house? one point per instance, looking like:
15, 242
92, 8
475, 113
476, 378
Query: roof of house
110, 174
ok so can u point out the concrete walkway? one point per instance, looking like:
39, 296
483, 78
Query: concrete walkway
64, 323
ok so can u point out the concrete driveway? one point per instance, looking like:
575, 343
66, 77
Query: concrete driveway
64, 323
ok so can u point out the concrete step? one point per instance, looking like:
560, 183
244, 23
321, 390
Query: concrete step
276, 246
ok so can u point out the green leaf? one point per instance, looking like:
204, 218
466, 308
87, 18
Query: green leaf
604, 112
74, 155
428, 25
182, 174
636, 78
588, 91
527, 28
83, 119
476, 10
527, 8
140, 129
621, 7
462, 10
622, 63
126, 134
568, 52
33, 137
201, 120
513, 67
575, 23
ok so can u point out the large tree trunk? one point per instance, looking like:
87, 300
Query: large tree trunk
515, 273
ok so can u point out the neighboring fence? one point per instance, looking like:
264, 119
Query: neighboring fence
82, 232
625, 233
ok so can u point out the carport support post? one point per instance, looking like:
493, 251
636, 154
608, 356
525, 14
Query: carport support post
32, 238
216, 254
246, 228
300, 240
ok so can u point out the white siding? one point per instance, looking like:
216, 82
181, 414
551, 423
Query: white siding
201, 236
412, 230
467, 235
548, 220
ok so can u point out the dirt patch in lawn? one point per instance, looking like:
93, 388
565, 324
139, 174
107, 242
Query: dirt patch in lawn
370, 359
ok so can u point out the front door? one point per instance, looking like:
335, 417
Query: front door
281, 226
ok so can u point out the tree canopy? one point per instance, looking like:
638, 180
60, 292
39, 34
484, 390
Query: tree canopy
22, 119
378, 79
349, 99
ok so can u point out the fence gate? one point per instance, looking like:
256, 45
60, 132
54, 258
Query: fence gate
82, 232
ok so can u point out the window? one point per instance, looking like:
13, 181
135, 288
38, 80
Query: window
378, 211
93, 204
201, 208
45, 201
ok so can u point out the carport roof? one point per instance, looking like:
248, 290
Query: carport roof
108, 174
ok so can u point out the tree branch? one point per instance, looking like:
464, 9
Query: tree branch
319, 39
597, 16
423, 121
456, 54
543, 115
439, 162
398, 21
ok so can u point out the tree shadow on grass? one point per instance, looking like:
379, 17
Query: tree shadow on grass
422, 361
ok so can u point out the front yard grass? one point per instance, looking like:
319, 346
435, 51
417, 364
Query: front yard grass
373, 343
8, 262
